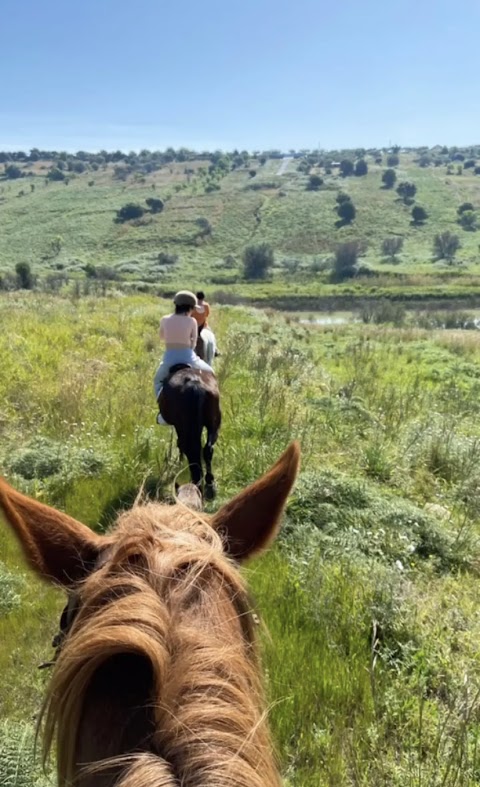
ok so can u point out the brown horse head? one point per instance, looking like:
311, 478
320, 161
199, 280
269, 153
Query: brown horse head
190, 401
157, 681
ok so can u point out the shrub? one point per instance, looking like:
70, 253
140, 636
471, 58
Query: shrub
25, 278
156, 205
314, 183
12, 172
204, 226
393, 160
446, 245
346, 167
131, 210
477, 170
257, 260
342, 197
468, 220
361, 168
419, 214
406, 190
391, 246
252, 172
345, 261
465, 206
164, 258
55, 174
388, 178
469, 164
346, 212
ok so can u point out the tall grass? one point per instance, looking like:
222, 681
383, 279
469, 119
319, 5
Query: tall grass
368, 602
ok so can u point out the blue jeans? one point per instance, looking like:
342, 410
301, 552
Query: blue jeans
172, 357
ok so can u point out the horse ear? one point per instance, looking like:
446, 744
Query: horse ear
57, 547
250, 522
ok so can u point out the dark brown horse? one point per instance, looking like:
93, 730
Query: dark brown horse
190, 401
156, 681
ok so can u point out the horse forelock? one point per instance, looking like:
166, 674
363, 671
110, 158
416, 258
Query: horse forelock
167, 593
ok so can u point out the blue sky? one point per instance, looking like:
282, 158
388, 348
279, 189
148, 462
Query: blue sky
254, 74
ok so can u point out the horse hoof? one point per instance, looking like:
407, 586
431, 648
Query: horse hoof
210, 491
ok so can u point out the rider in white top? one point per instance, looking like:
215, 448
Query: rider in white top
179, 332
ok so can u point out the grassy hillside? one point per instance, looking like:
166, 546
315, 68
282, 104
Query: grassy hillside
60, 228
370, 597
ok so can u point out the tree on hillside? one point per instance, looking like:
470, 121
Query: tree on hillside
465, 206
129, 211
419, 214
407, 190
257, 260
25, 279
361, 167
12, 172
468, 219
445, 246
204, 226
391, 247
388, 178
55, 174
156, 205
345, 261
346, 211
393, 160
314, 183
346, 167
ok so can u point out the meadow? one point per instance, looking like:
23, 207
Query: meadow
368, 601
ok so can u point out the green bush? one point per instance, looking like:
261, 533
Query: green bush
132, 210
257, 260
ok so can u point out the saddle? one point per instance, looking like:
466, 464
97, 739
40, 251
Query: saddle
177, 367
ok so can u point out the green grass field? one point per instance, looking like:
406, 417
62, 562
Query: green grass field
369, 599
60, 228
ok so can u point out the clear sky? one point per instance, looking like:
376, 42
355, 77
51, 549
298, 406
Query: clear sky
255, 74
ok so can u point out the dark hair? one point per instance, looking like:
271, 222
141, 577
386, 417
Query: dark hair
200, 295
184, 308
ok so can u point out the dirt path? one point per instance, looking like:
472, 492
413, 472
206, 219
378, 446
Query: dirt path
284, 165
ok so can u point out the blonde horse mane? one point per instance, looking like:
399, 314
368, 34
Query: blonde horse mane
169, 595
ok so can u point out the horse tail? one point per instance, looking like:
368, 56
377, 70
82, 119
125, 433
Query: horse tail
191, 427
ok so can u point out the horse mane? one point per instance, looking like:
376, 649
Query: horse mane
167, 605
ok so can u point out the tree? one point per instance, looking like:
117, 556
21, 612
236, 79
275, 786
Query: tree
419, 214
388, 178
129, 211
346, 167
468, 220
469, 164
314, 183
205, 228
24, 275
406, 191
345, 261
55, 174
346, 212
393, 160
155, 205
446, 245
391, 247
12, 172
257, 260
464, 206
361, 167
